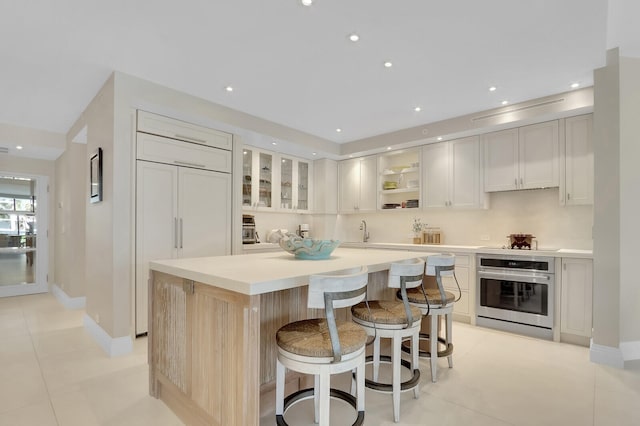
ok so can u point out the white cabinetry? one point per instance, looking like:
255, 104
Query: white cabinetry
399, 179
180, 211
576, 297
465, 276
578, 183
175, 129
357, 185
523, 158
451, 174
275, 182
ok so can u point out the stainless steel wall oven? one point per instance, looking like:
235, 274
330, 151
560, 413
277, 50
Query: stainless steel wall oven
516, 293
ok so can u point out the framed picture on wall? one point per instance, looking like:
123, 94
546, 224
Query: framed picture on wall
95, 174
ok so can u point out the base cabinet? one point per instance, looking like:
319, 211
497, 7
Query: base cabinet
464, 275
576, 297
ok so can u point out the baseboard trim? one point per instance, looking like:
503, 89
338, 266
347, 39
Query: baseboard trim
606, 355
630, 353
67, 301
113, 346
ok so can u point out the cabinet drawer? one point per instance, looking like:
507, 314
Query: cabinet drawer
462, 305
169, 151
462, 260
176, 129
462, 274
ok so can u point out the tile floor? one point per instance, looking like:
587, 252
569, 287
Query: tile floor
53, 373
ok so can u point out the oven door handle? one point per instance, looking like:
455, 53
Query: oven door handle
506, 275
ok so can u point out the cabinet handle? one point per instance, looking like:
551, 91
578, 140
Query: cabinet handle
189, 138
568, 196
515, 182
184, 163
520, 181
175, 232
181, 233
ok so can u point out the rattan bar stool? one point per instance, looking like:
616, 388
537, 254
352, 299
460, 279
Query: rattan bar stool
324, 346
436, 303
395, 320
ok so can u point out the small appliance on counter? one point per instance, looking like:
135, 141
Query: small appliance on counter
303, 230
521, 241
249, 234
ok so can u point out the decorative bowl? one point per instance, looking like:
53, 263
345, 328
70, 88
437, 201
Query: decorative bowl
308, 248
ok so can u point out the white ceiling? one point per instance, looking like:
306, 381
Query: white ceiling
294, 65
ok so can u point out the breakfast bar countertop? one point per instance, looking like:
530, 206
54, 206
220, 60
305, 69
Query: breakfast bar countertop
261, 273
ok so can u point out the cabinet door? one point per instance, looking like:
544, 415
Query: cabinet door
156, 226
248, 196
501, 160
539, 156
368, 186
204, 207
286, 184
576, 297
175, 129
349, 185
464, 177
435, 163
303, 189
579, 160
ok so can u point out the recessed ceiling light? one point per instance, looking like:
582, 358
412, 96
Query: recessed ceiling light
306, 2
351, 156
388, 64
388, 148
313, 153
505, 102
338, 130
274, 143
417, 109
244, 152
229, 89
18, 146
354, 37
439, 138
575, 85
492, 88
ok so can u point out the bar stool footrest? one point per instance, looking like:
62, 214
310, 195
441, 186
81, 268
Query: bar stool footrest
388, 387
309, 393
447, 351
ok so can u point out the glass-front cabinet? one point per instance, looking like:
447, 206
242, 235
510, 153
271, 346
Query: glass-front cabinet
274, 181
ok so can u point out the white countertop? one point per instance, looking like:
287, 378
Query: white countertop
266, 272
565, 252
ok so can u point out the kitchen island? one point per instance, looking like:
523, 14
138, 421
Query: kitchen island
212, 325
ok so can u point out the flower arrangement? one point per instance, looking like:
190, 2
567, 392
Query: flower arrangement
417, 227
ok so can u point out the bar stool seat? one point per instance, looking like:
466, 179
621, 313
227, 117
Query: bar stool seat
311, 338
396, 320
415, 295
324, 346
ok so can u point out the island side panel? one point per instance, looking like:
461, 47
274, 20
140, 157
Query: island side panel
204, 347
225, 358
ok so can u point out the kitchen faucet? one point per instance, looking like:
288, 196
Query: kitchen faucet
365, 233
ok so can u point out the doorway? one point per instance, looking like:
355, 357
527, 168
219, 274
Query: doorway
23, 234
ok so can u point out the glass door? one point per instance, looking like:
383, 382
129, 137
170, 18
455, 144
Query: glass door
23, 252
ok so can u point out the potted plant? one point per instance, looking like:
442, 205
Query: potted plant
417, 227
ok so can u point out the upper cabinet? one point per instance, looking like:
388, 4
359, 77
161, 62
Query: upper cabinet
175, 129
275, 182
523, 158
399, 179
451, 174
357, 185
578, 188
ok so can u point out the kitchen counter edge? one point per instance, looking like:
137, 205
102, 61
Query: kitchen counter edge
566, 253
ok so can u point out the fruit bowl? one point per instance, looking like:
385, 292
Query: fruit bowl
308, 248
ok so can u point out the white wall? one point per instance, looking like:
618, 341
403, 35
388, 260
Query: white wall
534, 212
